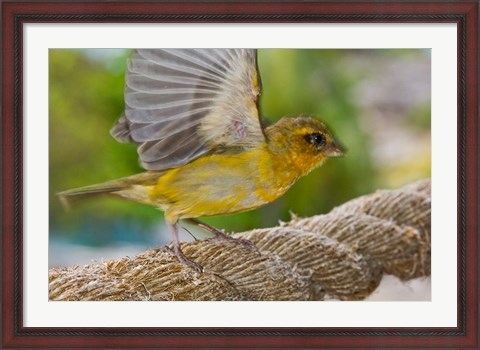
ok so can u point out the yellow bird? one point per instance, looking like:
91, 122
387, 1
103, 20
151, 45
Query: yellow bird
193, 113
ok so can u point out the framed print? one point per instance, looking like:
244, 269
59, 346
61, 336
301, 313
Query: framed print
376, 248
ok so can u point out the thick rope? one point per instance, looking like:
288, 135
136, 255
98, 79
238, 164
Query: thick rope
340, 255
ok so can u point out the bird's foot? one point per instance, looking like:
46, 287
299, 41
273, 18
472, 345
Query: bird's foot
182, 258
223, 236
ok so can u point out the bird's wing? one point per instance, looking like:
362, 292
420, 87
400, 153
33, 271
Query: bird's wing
182, 103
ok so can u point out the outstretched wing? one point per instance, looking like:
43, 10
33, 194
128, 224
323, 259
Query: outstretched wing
182, 103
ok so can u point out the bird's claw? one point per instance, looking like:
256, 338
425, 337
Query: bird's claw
183, 259
222, 236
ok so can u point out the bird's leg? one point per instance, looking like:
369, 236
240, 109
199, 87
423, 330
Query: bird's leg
220, 235
178, 251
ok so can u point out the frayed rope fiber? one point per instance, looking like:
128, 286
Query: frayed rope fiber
340, 255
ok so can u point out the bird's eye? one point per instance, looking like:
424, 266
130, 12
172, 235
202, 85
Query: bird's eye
316, 139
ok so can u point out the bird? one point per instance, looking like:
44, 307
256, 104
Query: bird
194, 116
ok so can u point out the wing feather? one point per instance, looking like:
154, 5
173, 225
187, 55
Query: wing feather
183, 103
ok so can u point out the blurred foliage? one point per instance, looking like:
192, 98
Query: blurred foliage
86, 97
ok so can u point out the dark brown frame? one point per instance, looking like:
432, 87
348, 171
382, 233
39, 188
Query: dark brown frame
463, 12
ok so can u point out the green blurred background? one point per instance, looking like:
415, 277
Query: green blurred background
377, 102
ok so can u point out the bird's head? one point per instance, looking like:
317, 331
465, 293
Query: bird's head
306, 141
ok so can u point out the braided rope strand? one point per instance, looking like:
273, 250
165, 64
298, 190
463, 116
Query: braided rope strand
341, 255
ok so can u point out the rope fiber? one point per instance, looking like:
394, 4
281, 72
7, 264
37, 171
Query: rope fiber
341, 255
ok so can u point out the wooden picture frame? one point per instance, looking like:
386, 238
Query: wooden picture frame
15, 14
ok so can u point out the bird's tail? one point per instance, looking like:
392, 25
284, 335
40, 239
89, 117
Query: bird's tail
134, 188
70, 197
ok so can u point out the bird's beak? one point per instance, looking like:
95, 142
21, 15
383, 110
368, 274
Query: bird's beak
334, 150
